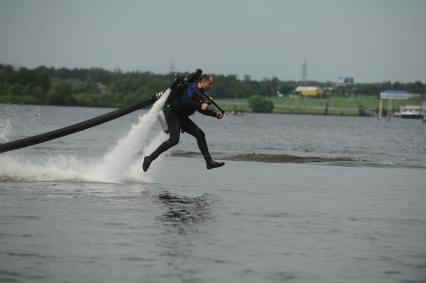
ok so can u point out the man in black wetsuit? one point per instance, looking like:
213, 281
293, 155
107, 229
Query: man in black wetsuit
185, 98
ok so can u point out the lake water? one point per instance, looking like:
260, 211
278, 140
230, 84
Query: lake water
300, 199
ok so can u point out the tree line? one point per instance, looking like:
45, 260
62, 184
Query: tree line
99, 87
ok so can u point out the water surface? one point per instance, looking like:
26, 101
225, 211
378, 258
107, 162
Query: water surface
301, 199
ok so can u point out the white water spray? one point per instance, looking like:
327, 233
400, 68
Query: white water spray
124, 154
134, 173
5, 128
57, 168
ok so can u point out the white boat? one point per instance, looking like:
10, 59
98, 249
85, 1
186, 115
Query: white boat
411, 112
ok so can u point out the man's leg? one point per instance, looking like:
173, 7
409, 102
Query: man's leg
173, 124
191, 128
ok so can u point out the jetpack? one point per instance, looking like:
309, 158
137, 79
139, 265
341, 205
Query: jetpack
29, 141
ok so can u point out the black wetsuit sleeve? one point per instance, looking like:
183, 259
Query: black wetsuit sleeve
208, 112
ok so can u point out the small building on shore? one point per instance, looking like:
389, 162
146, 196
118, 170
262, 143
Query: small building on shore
309, 91
346, 81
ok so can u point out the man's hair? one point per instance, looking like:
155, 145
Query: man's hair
205, 77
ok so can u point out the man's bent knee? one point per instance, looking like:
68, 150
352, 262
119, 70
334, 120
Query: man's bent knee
173, 141
199, 134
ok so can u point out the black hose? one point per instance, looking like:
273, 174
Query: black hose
74, 128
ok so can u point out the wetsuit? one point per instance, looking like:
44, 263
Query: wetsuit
183, 102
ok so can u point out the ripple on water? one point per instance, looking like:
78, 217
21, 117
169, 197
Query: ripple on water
9, 276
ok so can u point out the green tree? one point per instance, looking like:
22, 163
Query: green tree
417, 87
38, 95
61, 94
260, 104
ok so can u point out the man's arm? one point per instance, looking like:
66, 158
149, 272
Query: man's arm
204, 110
208, 112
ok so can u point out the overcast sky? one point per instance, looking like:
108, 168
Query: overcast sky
371, 40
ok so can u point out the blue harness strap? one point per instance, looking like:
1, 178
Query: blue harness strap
192, 91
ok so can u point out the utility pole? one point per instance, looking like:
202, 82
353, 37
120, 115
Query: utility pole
304, 75
304, 72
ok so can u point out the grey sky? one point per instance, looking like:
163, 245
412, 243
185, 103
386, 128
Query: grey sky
371, 40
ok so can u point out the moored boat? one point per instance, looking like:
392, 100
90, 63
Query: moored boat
411, 112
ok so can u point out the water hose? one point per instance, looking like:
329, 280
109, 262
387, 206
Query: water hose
29, 141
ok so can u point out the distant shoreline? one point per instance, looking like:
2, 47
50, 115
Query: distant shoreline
309, 106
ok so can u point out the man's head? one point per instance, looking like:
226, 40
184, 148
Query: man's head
206, 82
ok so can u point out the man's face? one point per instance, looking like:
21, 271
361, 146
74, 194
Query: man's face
207, 84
